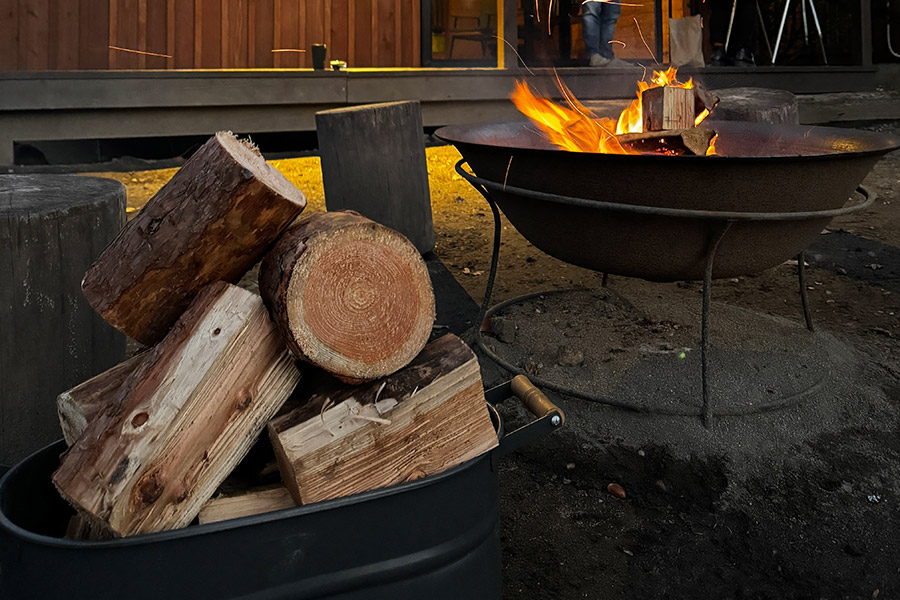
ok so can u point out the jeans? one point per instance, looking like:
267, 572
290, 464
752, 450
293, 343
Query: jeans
598, 26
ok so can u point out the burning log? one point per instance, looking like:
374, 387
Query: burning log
666, 108
695, 140
349, 295
421, 420
251, 502
183, 419
213, 221
78, 407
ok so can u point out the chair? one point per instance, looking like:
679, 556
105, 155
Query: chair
471, 11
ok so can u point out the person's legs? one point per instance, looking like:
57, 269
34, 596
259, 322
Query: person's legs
608, 17
590, 27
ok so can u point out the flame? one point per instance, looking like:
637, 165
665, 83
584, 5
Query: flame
711, 151
574, 128
577, 129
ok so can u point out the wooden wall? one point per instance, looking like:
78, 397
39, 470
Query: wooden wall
206, 34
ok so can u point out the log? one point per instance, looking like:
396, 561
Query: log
758, 105
212, 221
373, 162
425, 418
78, 406
251, 502
51, 228
183, 419
695, 140
665, 108
349, 295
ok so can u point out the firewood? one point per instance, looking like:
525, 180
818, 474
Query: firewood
78, 406
212, 221
421, 420
666, 108
183, 419
349, 295
251, 502
694, 140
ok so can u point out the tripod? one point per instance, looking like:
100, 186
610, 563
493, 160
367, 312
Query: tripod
762, 26
812, 7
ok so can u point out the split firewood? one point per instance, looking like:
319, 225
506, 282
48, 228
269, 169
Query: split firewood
665, 108
83, 528
422, 420
694, 140
704, 99
251, 502
349, 295
183, 419
212, 221
78, 406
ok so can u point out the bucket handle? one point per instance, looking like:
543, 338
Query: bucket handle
549, 416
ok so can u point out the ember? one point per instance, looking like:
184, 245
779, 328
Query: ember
576, 128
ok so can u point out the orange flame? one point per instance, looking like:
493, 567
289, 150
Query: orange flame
577, 129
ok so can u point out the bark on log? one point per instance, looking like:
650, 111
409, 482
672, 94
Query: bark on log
422, 420
757, 105
373, 161
51, 228
78, 407
251, 502
212, 221
349, 295
184, 419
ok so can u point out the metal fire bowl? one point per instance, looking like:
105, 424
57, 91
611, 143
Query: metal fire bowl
653, 216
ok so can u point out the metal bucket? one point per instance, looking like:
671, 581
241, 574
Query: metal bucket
434, 538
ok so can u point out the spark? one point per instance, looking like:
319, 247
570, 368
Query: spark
640, 33
511, 47
612, 2
617, 42
287, 50
505, 177
120, 49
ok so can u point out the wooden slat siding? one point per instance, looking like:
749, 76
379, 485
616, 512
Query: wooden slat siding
261, 32
288, 20
181, 33
210, 27
156, 36
416, 59
326, 30
361, 25
123, 32
235, 17
338, 48
63, 34
33, 32
304, 59
405, 32
142, 33
9, 40
351, 32
93, 35
383, 33
398, 33
278, 59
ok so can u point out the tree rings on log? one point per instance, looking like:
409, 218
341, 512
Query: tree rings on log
349, 295
212, 221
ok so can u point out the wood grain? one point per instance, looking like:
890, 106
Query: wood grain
251, 502
185, 417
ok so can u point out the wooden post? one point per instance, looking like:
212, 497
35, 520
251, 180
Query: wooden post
183, 419
373, 162
421, 420
51, 228
212, 221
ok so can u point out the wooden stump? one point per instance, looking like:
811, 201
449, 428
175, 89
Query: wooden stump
183, 419
758, 105
212, 221
349, 295
51, 228
373, 162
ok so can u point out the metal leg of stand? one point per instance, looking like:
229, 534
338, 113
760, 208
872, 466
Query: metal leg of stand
762, 27
787, 6
730, 24
804, 300
707, 414
812, 7
805, 24
495, 258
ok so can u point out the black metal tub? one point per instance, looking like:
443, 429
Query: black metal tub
434, 538
653, 216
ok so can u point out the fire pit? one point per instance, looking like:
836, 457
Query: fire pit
763, 198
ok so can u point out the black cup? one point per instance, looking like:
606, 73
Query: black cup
318, 55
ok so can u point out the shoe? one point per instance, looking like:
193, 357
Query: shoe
744, 58
718, 58
600, 61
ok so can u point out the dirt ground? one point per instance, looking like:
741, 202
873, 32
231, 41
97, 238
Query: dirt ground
813, 514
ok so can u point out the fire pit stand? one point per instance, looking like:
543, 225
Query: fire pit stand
720, 221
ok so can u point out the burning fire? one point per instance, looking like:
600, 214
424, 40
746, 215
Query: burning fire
577, 129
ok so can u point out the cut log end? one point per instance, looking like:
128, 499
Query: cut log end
357, 301
247, 155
